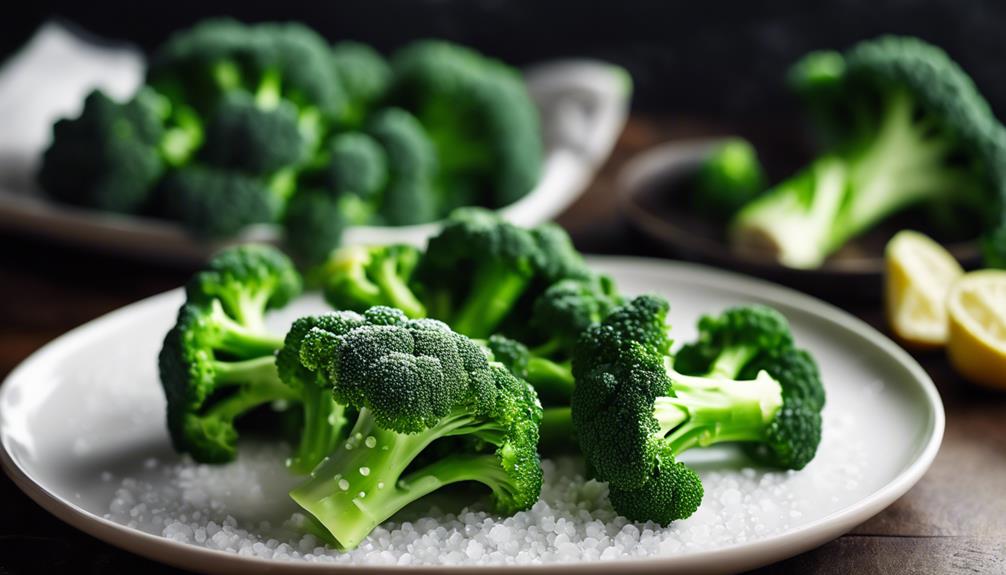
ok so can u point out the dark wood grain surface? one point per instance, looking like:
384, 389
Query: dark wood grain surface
953, 521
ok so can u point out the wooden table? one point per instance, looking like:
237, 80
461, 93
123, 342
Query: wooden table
953, 521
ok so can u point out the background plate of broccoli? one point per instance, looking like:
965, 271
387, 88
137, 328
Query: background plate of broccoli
100, 383
581, 107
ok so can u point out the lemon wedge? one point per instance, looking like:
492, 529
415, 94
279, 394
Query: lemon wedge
918, 276
977, 335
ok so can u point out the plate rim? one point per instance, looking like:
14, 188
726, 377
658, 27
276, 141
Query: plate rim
746, 555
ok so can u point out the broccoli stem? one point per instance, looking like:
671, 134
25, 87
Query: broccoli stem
396, 291
494, 291
360, 484
238, 339
553, 381
257, 381
324, 419
706, 411
842, 194
730, 361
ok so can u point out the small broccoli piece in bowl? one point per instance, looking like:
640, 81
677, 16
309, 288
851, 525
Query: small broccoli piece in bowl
112, 156
728, 178
903, 126
480, 117
416, 384
634, 413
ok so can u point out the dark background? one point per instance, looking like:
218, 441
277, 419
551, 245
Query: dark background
706, 58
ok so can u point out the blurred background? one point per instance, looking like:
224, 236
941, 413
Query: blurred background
721, 59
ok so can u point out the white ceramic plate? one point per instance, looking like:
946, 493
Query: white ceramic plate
583, 105
90, 402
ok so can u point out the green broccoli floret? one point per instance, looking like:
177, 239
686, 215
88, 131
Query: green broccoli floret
729, 341
360, 277
566, 308
364, 74
217, 362
416, 383
242, 135
476, 269
357, 164
410, 196
217, 203
113, 154
480, 117
553, 381
634, 414
904, 126
728, 178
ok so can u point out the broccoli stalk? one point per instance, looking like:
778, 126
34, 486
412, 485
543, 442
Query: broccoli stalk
414, 383
552, 381
908, 128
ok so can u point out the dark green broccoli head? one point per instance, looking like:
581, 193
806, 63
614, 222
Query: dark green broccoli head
673, 492
357, 165
511, 353
365, 76
792, 438
568, 307
727, 179
729, 341
247, 280
316, 218
108, 157
559, 258
241, 135
410, 196
360, 277
216, 203
480, 116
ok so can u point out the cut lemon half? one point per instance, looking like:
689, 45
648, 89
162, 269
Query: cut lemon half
918, 276
977, 338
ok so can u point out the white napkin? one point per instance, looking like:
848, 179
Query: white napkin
48, 80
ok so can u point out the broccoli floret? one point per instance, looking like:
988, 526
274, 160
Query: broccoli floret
113, 154
476, 269
480, 117
242, 135
904, 126
728, 178
568, 307
410, 196
364, 74
729, 341
217, 362
357, 164
315, 220
360, 277
416, 383
217, 203
634, 414
553, 381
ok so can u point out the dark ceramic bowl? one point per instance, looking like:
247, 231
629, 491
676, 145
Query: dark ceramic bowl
654, 193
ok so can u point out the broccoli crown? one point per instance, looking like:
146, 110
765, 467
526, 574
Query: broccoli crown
728, 178
364, 74
108, 157
216, 56
247, 280
360, 277
217, 361
729, 341
480, 116
568, 307
634, 413
410, 196
242, 135
357, 164
903, 125
415, 382
316, 218
216, 203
